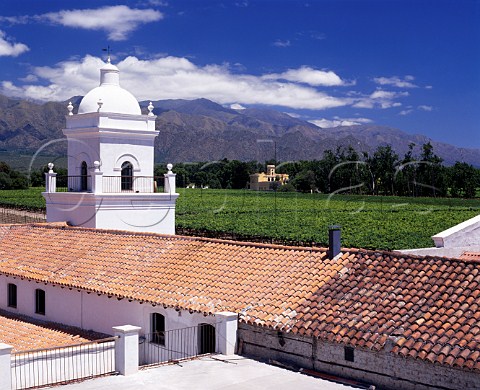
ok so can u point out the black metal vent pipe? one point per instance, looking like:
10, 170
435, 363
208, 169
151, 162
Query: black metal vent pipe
334, 240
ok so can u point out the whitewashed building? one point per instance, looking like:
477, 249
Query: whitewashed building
110, 181
108, 257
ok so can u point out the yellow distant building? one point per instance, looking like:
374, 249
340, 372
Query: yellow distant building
264, 181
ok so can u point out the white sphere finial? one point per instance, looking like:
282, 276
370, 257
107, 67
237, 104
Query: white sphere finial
169, 167
50, 167
96, 165
70, 108
150, 109
100, 104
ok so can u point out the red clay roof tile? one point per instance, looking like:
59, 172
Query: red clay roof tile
26, 333
361, 298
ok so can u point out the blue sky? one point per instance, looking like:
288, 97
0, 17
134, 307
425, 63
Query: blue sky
413, 65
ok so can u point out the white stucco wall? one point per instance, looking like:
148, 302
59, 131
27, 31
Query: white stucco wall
466, 233
115, 151
154, 212
111, 152
111, 139
92, 311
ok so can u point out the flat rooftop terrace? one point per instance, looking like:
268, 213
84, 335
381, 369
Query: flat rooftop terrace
212, 373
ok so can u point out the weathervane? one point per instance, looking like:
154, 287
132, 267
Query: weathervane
108, 52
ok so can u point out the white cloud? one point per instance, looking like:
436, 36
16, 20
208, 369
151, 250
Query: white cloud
157, 3
428, 87
29, 78
308, 75
318, 36
10, 49
396, 81
236, 106
425, 108
337, 121
22, 19
380, 94
380, 99
118, 21
280, 43
405, 112
172, 78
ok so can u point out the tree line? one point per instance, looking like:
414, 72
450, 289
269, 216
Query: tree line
347, 171
385, 173
343, 170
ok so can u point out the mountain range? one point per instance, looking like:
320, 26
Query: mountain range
202, 130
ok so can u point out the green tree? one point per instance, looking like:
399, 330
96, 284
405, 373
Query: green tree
431, 175
304, 181
383, 165
5, 181
463, 180
11, 179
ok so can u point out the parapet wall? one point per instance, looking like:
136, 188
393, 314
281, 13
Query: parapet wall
380, 368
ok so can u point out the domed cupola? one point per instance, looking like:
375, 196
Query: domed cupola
109, 96
111, 182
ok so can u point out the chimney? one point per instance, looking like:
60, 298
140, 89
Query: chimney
334, 234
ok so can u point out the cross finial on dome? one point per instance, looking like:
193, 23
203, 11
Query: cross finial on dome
108, 54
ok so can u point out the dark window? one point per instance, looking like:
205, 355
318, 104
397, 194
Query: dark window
206, 335
39, 301
158, 329
12, 295
84, 176
127, 176
349, 356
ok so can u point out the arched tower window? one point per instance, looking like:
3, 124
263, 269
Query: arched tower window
127, 176
84, 176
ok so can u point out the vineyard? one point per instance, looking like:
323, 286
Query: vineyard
367, 221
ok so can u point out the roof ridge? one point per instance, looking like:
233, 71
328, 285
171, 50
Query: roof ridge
64, 226
391, 253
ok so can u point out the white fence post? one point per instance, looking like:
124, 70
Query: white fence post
50, 179
227, 324
126, 349
169, 185
5, 367
97, 179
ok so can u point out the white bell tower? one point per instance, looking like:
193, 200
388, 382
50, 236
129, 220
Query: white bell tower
110, 181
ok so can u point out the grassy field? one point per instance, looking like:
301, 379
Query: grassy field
30, 199
367, 221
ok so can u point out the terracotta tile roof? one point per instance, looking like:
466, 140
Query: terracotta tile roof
470, 256
419, 307
427, 308
26, 333
190, 273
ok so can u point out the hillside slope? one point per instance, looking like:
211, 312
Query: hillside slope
201, 130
